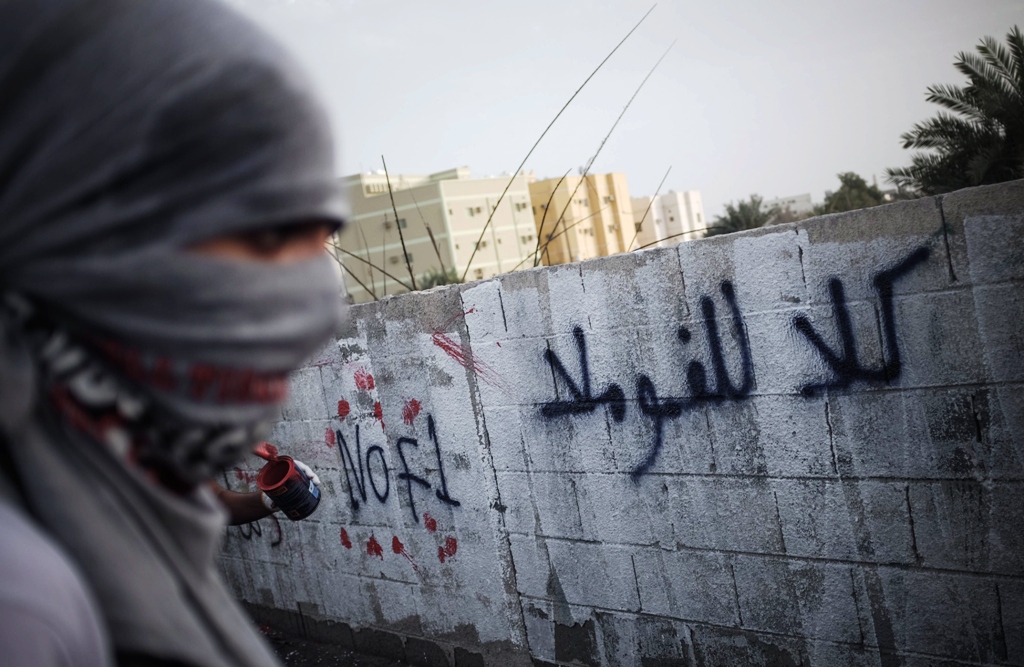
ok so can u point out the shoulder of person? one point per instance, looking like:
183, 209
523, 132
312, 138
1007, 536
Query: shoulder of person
47, 615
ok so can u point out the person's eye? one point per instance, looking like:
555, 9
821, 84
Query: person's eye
272, 239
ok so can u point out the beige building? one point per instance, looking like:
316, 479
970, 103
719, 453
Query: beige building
671, 218
454, 206
597, 220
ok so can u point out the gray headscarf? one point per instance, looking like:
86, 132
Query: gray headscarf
128, 132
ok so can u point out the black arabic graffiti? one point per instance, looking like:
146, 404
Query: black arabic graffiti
845, 366
583, 401
254, 529
359, 471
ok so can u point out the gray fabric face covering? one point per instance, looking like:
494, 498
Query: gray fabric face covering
130, 131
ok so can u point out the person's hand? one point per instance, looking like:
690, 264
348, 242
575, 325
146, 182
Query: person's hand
306, 470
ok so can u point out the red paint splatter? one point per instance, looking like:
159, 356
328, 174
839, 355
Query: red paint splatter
373, 547
448, 550
410, 410
364, 380
265, 450
245, 476
378, 414
482, 370
345, 541
399, 548
329, 438
343, 408
430, 522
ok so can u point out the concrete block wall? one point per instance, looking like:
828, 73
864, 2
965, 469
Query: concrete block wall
800, 445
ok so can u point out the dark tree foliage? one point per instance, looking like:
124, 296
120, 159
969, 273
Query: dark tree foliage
853, 193
435, 277
982, 140
746, 214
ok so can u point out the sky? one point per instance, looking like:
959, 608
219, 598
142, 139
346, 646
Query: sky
773, 98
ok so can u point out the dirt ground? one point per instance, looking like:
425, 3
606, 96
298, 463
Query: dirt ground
301, 653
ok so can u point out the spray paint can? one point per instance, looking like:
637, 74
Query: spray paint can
288, 487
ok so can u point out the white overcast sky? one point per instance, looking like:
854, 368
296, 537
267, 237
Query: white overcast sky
773, 98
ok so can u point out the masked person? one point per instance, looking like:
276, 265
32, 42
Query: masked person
166, 185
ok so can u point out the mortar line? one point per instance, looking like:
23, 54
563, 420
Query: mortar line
782, 478
831, 438
518, 635
736, 594
1002, 628
501, 302
856, 606
945, 238
913, 531
785, 556
778, 521
636, 582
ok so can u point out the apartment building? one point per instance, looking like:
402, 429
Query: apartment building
670, 218
799, 205
453, 207
579, 218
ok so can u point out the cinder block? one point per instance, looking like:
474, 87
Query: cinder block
847, 520
508, 372
619, 509
783, 360
764, 268
1000, 311
736, 437
559, 444
767, 595
1004, 409
524, 299
858, 245
968, 525
540, 628
938, 340
306, 396
995, 246
484, 312
589, 575
348, 597
910, 433
633, 290
721, 647
555, 502
618, 635
726, 514
1011, 599
811, 373
686, 585
566, 299
827, 654
1004, 199
306, 441
825, 595
504, 431
795, 436
947, 616
983, 223
577, 643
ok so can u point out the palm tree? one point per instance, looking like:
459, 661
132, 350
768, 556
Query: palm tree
744, 215
982, 141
